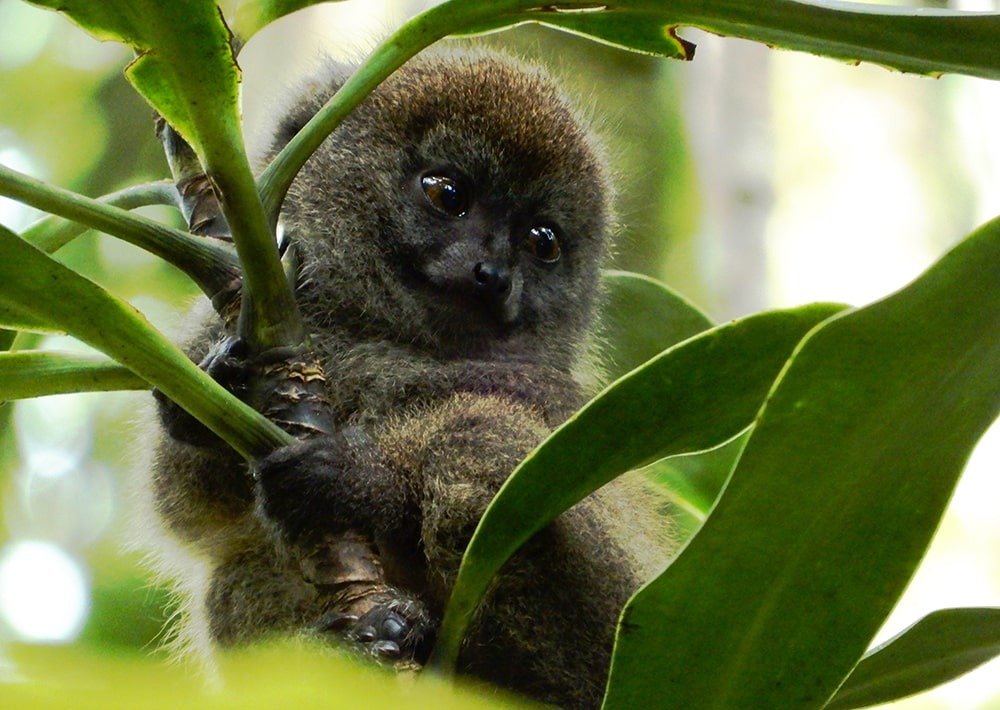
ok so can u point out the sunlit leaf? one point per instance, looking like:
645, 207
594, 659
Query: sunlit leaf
635, 30
694, 481
698, 394
832, 505
938, 648
16, 318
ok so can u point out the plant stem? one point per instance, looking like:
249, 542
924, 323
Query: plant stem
212, 266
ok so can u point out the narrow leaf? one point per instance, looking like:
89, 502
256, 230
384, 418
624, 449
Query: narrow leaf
921, 40
643, 32
14, 318
36, 284
637, 31
36, 374
832, 505
940, 647
693, 396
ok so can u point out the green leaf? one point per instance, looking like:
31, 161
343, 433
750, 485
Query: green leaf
184, 65
832, 505
251, 16
36, 374
940, 647
637, 31
34, 283
7, 337
16, 318
920, 40
642, 32
639, 318
914, 40
698, 394
694, 481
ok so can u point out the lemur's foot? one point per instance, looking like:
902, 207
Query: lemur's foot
385, 624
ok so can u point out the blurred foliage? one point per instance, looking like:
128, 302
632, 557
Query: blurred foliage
67, 111
284, 675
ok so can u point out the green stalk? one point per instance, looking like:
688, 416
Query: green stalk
37, 374
212, 266
38, 285
52, 233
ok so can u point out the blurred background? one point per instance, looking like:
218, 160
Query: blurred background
749, 178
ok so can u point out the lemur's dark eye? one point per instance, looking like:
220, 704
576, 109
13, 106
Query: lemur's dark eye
542, 243
446, 194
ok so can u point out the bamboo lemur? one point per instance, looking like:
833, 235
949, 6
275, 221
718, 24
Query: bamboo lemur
450, 233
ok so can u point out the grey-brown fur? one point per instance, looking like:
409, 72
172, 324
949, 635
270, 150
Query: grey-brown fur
438, 395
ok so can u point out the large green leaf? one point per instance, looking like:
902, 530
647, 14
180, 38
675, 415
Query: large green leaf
693, 396
639, 318
35, 374
33, 283
938, 648
832, 505
694, 481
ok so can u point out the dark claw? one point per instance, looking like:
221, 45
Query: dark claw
365, 634
336, 622
386, 649
227, 363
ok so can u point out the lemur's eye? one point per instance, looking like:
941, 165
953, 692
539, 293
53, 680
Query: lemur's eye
447, 195
542, 243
